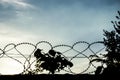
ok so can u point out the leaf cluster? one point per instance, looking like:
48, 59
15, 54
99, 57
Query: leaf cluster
112, 44
52, 61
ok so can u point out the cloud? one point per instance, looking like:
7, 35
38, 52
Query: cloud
13, 34
9, 9
15, 3
62, 22
47, 4
10, 34
55, 21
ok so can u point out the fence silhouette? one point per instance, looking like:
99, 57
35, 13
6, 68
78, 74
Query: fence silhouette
80, 54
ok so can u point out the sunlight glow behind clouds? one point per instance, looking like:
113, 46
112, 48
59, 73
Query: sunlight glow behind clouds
11, 35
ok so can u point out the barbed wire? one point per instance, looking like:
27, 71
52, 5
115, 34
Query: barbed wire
28, 62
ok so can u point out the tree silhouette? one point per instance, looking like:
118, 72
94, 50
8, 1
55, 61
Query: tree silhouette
112, 44
52, 61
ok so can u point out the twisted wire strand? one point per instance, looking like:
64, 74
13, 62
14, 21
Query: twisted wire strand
46, 43
27, 61
100, 42
5, 53
79, 52
2, 54
63, 45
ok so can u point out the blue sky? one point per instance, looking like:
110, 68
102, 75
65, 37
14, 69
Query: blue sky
56, 21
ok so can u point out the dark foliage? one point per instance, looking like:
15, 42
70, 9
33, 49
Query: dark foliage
52, 61
112, 44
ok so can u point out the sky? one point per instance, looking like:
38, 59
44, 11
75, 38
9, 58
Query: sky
55, 21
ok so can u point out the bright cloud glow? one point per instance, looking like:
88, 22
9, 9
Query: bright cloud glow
11, 35
16, 3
